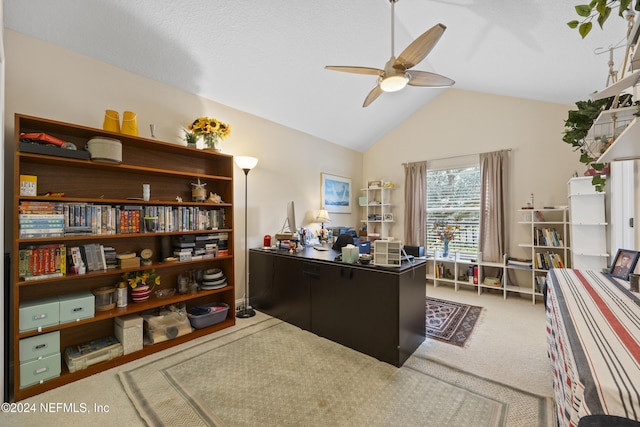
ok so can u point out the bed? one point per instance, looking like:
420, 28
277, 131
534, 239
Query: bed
593, 337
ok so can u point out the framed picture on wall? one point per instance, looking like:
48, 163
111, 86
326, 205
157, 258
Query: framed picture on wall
624, 263
335, 193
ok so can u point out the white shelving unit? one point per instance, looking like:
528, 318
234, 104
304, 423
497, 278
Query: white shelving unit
378, 217
454, 270
549, 245
588, 225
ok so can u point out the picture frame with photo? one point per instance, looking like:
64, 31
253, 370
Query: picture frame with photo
624, 263
388, 217
335, 193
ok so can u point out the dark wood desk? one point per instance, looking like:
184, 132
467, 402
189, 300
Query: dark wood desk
379, 311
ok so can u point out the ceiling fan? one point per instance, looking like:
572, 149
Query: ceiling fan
396, 73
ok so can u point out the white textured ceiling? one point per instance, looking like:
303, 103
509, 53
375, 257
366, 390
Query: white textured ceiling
267, 57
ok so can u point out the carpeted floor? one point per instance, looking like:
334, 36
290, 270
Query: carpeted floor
275, 374
507, 350
449, 321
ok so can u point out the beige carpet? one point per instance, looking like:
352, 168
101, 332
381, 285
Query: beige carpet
508, 345
275, 374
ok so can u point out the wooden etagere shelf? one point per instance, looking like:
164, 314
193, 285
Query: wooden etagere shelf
170, 170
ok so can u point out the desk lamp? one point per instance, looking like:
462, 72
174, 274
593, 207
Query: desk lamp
246, 164
323, 216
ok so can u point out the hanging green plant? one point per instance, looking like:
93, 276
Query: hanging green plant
577, 127
600, 10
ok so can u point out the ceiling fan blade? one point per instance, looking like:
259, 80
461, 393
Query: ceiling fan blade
356, 70
419, 48
424, 78
375, 93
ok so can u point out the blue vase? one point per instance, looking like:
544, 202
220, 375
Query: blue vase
445, 253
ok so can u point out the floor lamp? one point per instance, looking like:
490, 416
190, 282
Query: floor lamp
246, 164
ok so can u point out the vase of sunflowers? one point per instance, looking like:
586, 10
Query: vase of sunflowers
211, 131
445, 233
141, 283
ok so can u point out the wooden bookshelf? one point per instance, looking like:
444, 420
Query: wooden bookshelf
169, 169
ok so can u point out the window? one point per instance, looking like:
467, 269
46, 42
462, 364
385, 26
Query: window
453, 198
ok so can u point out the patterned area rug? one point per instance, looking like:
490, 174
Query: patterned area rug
451, 322
275, 374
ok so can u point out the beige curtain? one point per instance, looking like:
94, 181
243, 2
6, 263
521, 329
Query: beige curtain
494, 238
415, 204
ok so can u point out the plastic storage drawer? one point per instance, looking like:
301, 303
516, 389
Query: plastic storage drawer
39, 370
37, 347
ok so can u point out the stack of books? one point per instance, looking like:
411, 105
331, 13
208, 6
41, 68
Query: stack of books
184, 246
519, 262
40, 219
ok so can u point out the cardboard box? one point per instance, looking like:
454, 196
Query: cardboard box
38, 314
38, 370
129, 262
39, 346
77, 306
128, 330
28, 185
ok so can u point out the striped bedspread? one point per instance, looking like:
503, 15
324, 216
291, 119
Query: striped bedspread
593, 336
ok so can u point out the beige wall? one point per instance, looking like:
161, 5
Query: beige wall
45, 81
459, 123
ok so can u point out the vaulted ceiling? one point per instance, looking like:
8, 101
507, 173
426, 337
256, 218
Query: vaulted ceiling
267, 57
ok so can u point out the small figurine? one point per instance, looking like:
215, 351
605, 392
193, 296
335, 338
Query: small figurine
179, 199
198, 193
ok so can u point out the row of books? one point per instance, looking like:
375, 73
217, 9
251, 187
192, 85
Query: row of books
57, 219
42, 261
547, 237
57, 260
548, 260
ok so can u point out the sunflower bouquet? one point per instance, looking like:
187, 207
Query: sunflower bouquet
139, 278
209, 129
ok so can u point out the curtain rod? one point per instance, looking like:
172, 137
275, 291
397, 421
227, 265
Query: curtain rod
453, 157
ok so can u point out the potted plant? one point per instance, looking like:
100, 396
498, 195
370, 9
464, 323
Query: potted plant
577, 127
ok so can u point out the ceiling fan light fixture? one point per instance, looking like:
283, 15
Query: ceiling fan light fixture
394, 83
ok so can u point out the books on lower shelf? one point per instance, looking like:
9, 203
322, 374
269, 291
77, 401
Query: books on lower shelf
548, 260
42, 262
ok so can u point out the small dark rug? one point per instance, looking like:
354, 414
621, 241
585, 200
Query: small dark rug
451, 322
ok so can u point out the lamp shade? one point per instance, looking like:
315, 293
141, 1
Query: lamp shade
323, 216
245, 162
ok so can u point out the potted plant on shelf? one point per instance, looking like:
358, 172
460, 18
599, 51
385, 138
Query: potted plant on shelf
211, 130
576, 132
